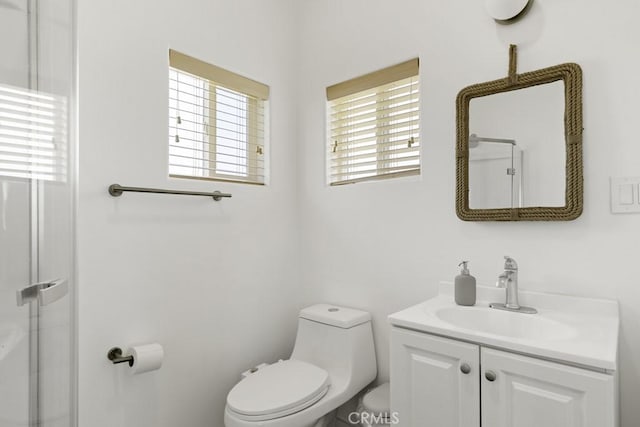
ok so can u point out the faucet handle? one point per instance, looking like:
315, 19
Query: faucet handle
510, 263
502, 280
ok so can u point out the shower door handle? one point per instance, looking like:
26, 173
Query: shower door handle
45, 292
28, 294
53, 291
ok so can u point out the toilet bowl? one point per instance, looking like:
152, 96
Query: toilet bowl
332, 360
374, 407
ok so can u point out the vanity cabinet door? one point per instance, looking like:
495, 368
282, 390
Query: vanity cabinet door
434, 381
527, 392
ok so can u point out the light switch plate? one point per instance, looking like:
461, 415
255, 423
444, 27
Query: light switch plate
625, 194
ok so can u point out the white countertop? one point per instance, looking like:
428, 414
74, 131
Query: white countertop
576, 330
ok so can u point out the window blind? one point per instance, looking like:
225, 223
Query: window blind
33, 134
374, 126
216, 123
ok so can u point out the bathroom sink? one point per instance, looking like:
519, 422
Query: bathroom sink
504, 323
582, 331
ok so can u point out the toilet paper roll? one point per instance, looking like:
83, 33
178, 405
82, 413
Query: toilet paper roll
146, 358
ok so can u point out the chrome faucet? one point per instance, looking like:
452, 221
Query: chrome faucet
509, 279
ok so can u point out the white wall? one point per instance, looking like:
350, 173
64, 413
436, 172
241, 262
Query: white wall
384, 246
214, 282
218, 283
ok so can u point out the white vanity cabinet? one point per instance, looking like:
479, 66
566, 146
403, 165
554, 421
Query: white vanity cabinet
528, 392
443, 382
428, 385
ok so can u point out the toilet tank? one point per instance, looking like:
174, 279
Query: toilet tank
339, 340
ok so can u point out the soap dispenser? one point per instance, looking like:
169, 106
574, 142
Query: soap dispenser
465, 286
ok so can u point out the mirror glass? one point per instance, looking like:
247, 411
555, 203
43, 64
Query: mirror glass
517, 148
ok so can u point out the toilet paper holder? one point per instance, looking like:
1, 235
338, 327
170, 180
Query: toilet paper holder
115, 355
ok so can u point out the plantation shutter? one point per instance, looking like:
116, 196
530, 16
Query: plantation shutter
217, 122
374, 125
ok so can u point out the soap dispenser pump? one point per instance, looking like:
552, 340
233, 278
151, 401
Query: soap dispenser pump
465, 286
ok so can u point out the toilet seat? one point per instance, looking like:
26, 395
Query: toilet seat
278, 390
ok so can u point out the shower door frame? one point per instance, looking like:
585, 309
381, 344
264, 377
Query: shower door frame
36, 238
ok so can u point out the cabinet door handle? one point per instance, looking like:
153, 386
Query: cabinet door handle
465, 368
490, 376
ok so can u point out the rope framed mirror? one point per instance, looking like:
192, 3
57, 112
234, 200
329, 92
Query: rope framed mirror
532, 183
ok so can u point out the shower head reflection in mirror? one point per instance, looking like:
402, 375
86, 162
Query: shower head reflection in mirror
475, 140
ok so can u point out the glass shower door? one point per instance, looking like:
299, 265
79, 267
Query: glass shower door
36, 214
15, 271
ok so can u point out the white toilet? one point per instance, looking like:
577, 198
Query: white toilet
333, 359
374, 407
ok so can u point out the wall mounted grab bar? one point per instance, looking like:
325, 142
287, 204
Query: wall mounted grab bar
116, 190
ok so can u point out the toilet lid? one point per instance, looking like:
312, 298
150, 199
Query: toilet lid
278, 390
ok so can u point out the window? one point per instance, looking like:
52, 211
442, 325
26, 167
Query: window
217, 123
374, 126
